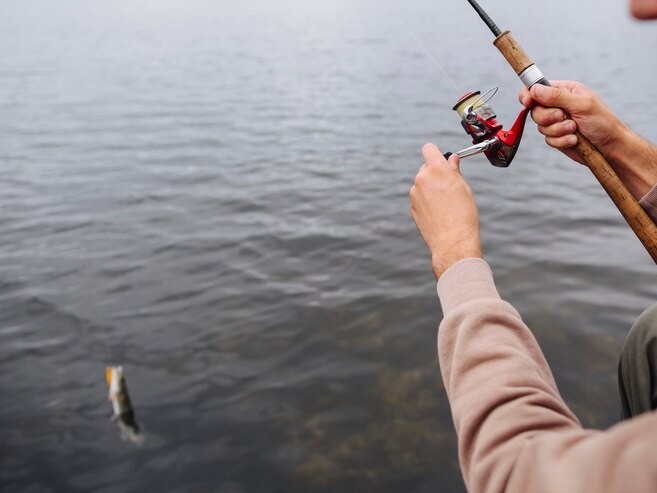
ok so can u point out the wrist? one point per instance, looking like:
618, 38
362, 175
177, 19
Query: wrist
441, 261
621, 145
635, 161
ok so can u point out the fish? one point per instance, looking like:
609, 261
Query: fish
123, 413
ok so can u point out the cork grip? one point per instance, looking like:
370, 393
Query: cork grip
628, 206
513, 52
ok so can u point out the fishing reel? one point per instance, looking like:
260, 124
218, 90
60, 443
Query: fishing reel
488, 136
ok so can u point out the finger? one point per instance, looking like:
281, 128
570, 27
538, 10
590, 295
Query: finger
432, 154
557, 97
569, 85
525, 98
566, 127
547, 116
642, 9
565, 142
454, 163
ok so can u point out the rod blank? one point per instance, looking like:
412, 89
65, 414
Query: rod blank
484, 17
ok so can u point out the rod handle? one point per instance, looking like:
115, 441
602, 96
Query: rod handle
634, 214
513, 52
636, 217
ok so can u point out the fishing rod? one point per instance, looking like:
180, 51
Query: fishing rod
500, 146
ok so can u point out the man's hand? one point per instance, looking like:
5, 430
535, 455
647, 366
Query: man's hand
444, 210
569, 106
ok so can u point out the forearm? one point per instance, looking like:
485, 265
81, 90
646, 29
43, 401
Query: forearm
500, 387
635, 161
515, 432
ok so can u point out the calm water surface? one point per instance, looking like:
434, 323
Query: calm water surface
215, 195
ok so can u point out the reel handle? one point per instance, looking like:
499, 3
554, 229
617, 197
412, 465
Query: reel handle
629, 207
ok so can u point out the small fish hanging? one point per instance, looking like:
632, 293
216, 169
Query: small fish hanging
123, 413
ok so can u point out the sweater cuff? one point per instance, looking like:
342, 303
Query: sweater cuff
467, 280
649, 203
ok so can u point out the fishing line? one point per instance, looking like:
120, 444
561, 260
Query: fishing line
424, 48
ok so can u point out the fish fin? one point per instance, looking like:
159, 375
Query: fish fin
131, 435
108, 374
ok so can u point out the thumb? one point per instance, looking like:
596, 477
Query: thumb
554, 97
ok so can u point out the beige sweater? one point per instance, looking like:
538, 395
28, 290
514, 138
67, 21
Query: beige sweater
515, 433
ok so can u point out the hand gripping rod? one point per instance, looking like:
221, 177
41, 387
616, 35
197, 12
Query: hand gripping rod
530, 74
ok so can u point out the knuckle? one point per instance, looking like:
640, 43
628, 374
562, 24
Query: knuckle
536, 116
587, 104
540, 115
568, 127
571, 141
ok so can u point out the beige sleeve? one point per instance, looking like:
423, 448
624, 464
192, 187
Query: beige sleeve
515, 433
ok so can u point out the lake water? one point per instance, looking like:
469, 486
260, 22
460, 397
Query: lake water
214, 194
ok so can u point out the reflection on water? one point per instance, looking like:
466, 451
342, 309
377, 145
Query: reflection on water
215, 196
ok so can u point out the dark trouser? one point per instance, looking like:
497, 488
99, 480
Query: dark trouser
637, 368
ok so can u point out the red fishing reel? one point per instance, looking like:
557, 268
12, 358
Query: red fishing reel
488, 136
